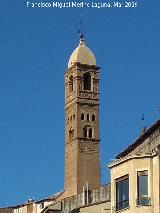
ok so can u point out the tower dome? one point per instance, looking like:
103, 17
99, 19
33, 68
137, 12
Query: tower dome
82, 54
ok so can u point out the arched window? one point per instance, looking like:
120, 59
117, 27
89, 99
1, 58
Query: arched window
85, 132
71, 118
82, 116
87, 81
90, 133
70, 84
71, 133
74, 117
87, 117
93, 117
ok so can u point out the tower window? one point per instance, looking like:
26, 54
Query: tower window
71, 118
90, 133
71, 133
87, 197
85, 132
87, 81
74, 117
70, 84
87, 117
93, 117
82, 116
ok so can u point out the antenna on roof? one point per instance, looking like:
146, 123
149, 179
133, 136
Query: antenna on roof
31, 199
144, 127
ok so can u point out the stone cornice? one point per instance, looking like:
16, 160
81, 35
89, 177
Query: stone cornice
127, 158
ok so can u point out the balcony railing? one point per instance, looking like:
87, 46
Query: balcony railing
122, 205
144, 201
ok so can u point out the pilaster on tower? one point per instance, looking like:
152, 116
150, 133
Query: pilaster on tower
82, 140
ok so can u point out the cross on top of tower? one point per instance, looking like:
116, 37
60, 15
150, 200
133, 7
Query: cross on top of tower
80, 31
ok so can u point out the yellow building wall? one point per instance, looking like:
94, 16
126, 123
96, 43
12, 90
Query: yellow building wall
98, 208
131, 167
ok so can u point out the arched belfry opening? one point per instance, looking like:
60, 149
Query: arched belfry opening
82, 116
85, 132
70, 84
90, 133
87, 81
93, 117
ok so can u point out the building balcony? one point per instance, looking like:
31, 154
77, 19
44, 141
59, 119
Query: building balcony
122, 205
143, 201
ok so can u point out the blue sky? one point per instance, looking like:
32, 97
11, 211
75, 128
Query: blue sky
35, 45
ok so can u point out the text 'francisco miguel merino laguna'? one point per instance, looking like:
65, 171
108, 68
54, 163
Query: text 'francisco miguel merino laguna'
81, 4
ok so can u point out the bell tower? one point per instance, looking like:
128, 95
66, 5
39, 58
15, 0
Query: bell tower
82, 140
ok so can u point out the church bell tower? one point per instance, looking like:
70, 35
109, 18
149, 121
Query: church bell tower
82, 140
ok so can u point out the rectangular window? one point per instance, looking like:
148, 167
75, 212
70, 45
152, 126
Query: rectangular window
122, 192
142, 188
